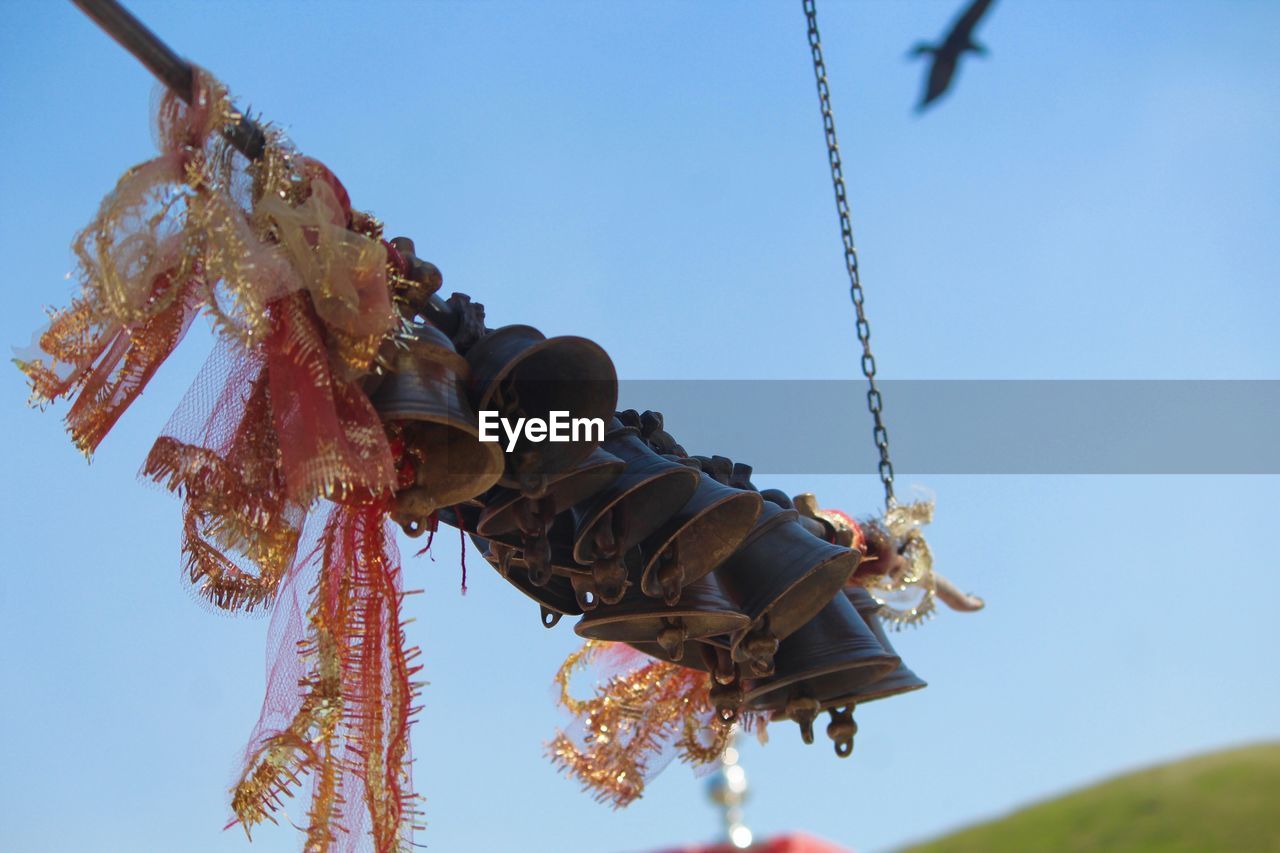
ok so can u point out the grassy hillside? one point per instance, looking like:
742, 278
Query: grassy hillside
1227, 801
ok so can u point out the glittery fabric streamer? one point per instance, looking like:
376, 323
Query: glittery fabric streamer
139, 273
220, 451
643, 713
275, 430
340, 693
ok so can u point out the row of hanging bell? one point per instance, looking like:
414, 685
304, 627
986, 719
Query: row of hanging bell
654, 551
777, 575
627, 503
541, 545
643, 516
430, 395
649, 526
836, 660
726, 567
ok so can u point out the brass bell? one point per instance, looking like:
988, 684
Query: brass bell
699, 537
857, 689
780, 577
901, 680
650, 490
508, 511
703, 611
520, 373
424, 396
831, 654
556, 597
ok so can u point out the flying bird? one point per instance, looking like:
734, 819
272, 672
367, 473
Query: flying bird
946, 56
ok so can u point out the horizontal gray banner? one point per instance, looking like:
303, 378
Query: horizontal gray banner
975, 426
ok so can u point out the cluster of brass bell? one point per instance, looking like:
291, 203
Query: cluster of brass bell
431, 386
679, 556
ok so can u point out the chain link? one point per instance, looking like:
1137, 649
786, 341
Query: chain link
875, 404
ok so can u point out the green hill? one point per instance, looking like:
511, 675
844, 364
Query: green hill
1227, 801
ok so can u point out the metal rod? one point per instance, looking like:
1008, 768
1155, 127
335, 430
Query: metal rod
177, 74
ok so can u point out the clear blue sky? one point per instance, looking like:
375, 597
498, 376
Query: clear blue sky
1098, 199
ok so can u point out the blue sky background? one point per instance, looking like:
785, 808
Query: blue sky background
1098, 199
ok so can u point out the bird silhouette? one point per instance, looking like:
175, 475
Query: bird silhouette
946, 56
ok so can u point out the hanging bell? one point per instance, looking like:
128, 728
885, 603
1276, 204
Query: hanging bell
520, 373
780, 577
703, 611
650, 491
901, 680
851, 688
424, 396
509, 511
831, 654
699, 537
556, 597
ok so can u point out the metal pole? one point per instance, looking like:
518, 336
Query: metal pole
176, 74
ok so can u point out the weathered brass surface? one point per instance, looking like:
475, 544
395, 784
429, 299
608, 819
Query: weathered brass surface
831, 654
901, 680
650, 490
556, 597
519, 372
512, 512
781, 577
703, 611
425, 397
703, 534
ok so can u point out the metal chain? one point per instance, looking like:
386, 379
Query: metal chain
875, 404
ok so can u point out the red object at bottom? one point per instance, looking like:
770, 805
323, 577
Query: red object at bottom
796, 843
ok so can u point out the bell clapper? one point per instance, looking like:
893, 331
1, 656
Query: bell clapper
608, 571
537, 557
804, 710
504, 553
720, 663
672, 638
533, 517
757, 649
841, 730
670, 575
610, 577
727, 699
